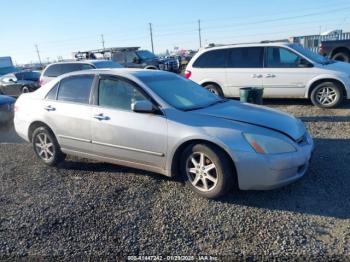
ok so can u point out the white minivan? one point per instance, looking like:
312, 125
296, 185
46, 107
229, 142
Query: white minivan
284, 70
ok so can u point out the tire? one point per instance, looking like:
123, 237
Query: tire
25, 89
215, 89
213, 183
342, 56
327, 95
46, 147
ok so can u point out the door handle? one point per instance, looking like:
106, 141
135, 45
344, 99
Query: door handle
49, 108
101, 117
269, 75
256, 76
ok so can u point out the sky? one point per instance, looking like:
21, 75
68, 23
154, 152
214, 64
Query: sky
61, 27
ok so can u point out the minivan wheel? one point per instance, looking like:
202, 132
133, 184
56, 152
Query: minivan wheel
207, 170
46, 147
25, 89
215, 89
327, 95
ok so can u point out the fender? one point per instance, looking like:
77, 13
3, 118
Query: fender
325, 77
215, 81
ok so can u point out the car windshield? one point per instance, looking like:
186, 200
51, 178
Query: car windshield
107, 64
144, 54
180, 92
311, 55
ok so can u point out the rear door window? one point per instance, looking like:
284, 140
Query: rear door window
246, 57
76, 89
212, 59
53, 71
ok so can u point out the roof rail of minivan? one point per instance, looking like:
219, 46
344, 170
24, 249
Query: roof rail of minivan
247, 43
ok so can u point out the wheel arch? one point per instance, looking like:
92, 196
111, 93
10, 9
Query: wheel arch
151, 67
176, 156
316, 82
339, 49
34, 125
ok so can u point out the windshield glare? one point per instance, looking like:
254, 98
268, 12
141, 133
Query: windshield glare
144, 54
310, 55
180, 92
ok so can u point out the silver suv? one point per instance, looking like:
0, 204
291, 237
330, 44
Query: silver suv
56, 69
284, 70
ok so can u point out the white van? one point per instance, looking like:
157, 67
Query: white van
284, 70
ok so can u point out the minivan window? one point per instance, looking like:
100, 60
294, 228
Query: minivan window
277, 57
246, 57
118, 94
67, 68
75, 89
212, 59
53, 71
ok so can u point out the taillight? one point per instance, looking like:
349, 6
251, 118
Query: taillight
15, 108
41, 82
188, 74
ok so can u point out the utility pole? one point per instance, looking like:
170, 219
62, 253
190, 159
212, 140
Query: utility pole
103, 42
151, 34
37, 51
200, 33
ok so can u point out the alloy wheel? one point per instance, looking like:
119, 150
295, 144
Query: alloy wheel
326, 95
201, 171
44, 147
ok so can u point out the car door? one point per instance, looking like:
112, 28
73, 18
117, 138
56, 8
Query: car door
282, 75
10, 85
244, 68
132, 60
67, 111
122, 134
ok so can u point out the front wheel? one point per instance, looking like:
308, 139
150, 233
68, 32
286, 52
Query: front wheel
207, 170
327, 95
46, 147
25, 89
214, 89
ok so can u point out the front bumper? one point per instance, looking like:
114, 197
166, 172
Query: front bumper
263, 172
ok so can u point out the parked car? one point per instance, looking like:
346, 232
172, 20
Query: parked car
56, 69
6, 109
144, 59
20, 82
336, 49
283, 69
162, 122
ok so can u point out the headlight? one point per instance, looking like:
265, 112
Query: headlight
268, 145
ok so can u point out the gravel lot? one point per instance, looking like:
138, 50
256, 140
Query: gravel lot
91, 209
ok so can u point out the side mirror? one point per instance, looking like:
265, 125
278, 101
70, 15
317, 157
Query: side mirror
136, 60
143, 106
304, 63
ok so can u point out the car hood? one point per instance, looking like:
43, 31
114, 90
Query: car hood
338, 66
258, 116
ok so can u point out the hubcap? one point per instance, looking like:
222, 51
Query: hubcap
44, 146
214, 91
326, 96
201, 171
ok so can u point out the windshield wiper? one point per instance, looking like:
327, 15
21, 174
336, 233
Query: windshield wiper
211, 104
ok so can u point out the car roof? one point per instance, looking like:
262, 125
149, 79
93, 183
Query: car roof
81, 62
247, 45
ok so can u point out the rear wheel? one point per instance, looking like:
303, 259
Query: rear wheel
327, 95
25, 89
46, 147
342, 56
207, 170
215, 89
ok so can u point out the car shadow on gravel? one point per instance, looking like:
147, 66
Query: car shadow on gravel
325, 118
323, 191
297, 102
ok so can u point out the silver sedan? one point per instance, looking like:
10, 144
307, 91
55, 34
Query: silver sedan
162, 122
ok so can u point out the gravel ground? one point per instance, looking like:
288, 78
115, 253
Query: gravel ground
85, 208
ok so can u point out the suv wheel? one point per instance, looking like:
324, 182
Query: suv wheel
327, 95
46, 147
207, 170
342, 56
25, 89
215, 89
